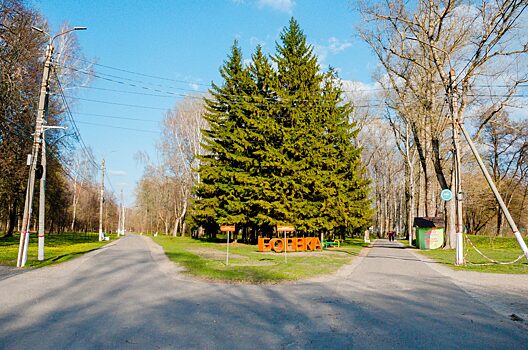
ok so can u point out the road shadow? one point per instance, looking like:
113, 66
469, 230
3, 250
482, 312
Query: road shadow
123, 300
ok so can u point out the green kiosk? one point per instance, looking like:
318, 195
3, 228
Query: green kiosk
429, 232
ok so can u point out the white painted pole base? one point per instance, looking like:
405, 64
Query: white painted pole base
459, 249
24, 253
40, 247
21, 248
522, 243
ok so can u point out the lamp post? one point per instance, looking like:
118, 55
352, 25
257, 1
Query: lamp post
42, 111
42, 193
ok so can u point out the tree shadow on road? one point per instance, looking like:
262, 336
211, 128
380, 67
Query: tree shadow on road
123, 300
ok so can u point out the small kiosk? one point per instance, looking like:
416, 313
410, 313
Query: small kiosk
429, 232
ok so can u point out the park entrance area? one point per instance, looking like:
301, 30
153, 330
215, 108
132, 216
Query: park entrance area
278, 245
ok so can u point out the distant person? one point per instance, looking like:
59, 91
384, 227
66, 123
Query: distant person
391, 235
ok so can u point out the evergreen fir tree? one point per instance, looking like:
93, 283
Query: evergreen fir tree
281, 146
221, 192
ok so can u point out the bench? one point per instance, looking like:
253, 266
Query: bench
328, 244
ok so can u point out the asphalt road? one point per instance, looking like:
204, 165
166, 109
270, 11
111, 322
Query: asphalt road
127, 296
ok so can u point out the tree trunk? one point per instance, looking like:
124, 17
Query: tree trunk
12, 216
500, 217
176, 226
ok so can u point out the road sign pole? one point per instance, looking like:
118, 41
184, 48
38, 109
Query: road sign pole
285, 247
227, 254
228, 229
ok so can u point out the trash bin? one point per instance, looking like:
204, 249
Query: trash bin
429, 232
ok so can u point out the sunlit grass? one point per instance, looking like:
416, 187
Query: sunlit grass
208, 260
57, 248
502, 249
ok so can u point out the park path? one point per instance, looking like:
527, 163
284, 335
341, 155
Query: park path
126, 295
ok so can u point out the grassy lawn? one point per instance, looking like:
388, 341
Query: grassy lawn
208, 260
57, 248
497, 248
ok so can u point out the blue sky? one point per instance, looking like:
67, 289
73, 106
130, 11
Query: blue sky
184, 42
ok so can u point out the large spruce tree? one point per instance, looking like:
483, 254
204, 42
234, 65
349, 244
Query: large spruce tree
224, 170
281, 146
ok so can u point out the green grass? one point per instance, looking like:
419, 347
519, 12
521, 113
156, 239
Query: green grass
208, 260
497, 248
57, 248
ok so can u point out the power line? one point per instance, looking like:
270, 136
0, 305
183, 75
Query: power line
124, 91
143, 74
76, 129
110, 183
209, 85
128, 81
119, 104
114, 117
119, 127
170, 93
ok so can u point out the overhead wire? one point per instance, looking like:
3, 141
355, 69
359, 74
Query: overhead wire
127, 81
119, 127
170, 93
115, 117
118, 104
72, 120
143, 74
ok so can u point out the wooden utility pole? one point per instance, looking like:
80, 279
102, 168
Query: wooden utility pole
101, 201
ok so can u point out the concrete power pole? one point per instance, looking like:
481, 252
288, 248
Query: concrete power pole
101, 201
42, 193
42, 199
32, 161
498, 197
122, 215
119, 232
123, 220
42, 107
457, 180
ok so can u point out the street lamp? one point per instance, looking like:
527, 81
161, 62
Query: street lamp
42, 192
42, 112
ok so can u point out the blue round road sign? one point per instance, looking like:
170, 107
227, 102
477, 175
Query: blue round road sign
446, 194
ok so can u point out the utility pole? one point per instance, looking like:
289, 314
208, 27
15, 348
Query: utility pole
42, 199
456, 187
123, 220
119, 215
122, 214
503, 206
101, 201
119, 232
42, 109
42, 193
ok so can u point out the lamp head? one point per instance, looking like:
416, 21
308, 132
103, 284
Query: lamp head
37, 29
